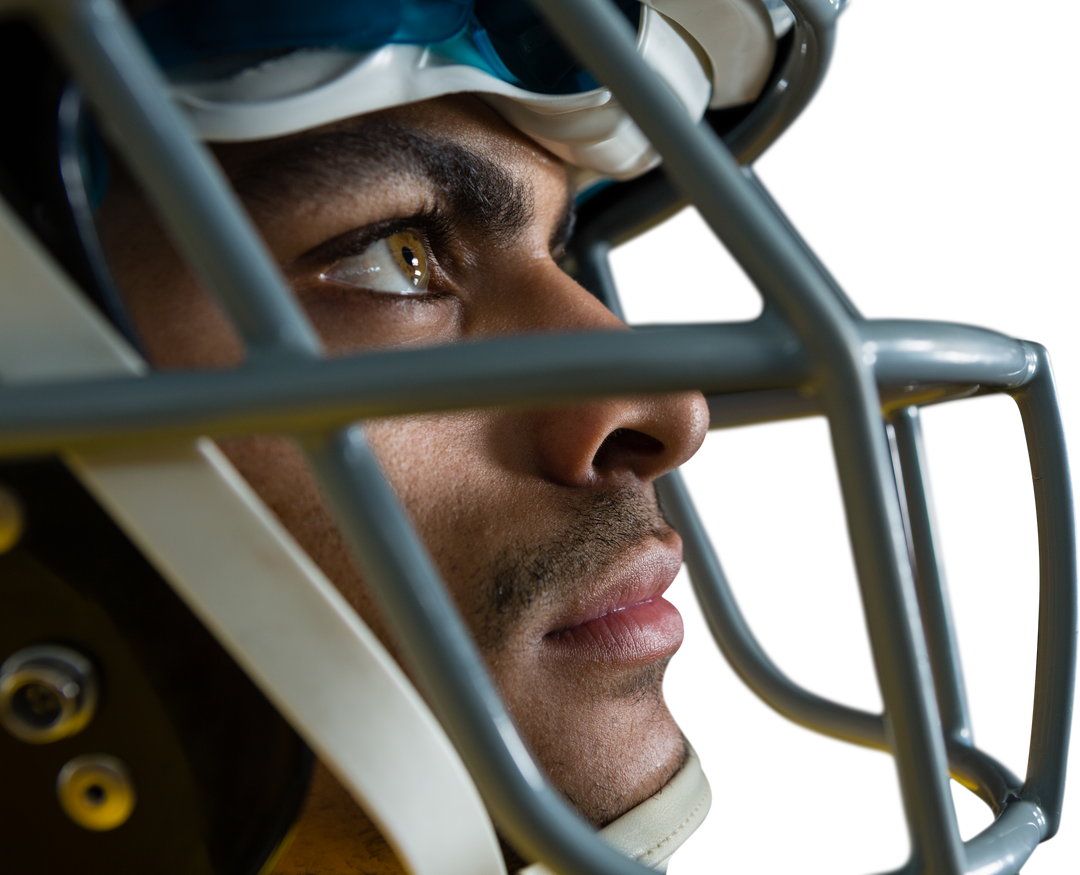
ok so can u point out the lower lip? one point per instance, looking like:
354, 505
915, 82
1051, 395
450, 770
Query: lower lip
639, 634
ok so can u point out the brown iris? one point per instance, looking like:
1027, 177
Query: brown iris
408, 251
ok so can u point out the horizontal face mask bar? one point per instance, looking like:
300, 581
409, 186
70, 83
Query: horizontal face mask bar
576, 857
730, 363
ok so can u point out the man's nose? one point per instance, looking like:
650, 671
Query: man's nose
605, 441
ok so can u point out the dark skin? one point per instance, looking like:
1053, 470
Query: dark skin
527, 513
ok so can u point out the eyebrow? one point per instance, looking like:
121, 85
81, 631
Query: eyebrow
477, 191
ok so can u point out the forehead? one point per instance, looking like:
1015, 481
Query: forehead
459, 120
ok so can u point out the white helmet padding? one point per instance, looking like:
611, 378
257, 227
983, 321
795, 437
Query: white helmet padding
710, 53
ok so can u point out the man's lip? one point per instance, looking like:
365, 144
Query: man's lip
646, 578
626, 621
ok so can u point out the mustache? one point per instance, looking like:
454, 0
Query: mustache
598, 530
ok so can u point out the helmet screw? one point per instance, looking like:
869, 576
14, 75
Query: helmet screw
11, 520
96, 791
47, 693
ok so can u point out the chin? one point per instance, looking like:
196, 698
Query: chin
608, 744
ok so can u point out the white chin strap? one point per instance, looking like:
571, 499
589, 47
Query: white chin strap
655, 829
710, 53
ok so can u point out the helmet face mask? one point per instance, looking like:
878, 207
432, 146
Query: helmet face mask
284, 411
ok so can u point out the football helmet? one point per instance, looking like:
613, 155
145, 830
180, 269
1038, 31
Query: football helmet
170, 658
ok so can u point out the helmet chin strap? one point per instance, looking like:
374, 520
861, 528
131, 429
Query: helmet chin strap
652, 831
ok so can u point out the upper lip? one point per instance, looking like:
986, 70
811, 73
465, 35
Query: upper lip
644, 576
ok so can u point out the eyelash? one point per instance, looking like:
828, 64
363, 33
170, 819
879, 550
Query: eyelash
433, 229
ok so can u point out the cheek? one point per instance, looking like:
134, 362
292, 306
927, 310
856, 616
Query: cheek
178, 325
277, 470
184, 329
440, 468
466, 505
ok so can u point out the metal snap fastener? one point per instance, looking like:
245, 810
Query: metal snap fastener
96, 791
47, 692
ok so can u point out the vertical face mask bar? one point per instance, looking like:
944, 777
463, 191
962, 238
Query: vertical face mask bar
1055, 668
929, 579
990, 780
1035, 814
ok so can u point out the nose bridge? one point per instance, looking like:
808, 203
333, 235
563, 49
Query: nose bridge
546, 299
599, 441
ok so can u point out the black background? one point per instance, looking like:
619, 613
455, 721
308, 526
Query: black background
917, 176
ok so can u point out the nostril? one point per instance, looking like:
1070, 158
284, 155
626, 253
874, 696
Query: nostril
623, 447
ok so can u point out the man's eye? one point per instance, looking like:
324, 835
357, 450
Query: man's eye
395, 265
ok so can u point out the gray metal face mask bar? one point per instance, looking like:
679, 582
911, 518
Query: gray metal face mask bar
812, 340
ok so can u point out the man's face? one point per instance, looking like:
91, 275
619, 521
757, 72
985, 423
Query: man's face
431, 224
